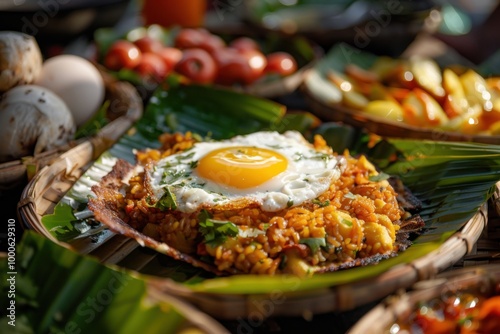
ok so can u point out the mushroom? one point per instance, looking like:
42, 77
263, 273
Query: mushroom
20, 59
33, 119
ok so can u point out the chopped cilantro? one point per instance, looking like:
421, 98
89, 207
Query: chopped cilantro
379, 177
214, 231
313, 243
185, 156
168, 201
170, 176
321, 204
283, 262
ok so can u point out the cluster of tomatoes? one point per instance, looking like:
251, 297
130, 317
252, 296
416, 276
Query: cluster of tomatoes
200, 56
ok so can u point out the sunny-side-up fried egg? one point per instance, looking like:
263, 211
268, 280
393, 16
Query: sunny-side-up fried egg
270, 170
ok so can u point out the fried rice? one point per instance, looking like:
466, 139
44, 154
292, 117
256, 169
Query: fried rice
355, 222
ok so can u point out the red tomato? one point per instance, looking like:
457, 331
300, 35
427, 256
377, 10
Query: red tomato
257, 61
281, 63
244, 43
122, 54
222, 55
233, 68
149, 44
197, 65
211, 43
152, 66
171, 56
190, 38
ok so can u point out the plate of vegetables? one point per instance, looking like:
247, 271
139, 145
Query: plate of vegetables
147, 55
415, 97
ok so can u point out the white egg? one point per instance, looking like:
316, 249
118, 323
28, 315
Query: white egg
266, 169
77, 82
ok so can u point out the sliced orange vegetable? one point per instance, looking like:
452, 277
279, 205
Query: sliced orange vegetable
413, 110
360, 74
433, 112
489, 316
432, 325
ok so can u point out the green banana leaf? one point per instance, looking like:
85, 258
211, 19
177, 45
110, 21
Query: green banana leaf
60, 291
452, 179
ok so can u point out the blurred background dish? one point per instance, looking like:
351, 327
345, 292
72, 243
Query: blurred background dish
380, 27
60, 22
413, 96
464, 300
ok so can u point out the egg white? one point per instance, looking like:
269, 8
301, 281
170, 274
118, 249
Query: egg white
309, 173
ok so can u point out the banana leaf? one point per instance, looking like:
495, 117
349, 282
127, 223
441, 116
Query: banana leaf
60, 291
453, 180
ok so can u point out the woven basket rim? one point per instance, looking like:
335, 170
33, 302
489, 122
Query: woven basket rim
344, 297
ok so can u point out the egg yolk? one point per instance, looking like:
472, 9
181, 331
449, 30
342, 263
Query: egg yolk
241, 166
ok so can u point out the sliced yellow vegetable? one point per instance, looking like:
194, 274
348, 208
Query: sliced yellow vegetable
433, 112
476, 90
389, 110
428, 75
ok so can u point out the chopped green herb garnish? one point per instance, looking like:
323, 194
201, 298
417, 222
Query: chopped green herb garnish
170, 176
185, 156
168, 201
276, 146
321, 204
283, 262
214, 231
379, 177
346, 222
289, 203
313, 243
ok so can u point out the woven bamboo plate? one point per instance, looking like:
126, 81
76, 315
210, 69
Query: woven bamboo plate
323, 101
479, 268
124, 109
71, 170
51, 184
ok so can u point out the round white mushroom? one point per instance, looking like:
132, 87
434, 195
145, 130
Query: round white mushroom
33, 119
20, 59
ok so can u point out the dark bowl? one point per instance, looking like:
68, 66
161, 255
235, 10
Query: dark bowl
57, 22
380, 27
